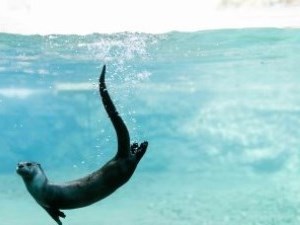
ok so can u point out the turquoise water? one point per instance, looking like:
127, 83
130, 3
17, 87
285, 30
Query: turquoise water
220, 109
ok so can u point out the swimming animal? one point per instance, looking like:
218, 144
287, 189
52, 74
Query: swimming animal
95, 186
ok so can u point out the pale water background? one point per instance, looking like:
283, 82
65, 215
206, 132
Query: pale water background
220, 109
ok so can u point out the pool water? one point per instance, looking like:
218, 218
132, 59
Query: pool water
220, 109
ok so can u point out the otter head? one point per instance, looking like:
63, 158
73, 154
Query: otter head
28, 170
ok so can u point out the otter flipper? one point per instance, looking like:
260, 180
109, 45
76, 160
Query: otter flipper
118, 123
138, 150
55, 214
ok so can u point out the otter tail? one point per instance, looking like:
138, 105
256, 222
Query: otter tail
118, 123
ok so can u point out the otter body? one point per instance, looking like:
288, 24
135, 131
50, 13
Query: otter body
95, 186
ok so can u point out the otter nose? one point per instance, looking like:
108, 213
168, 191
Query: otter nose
20, 165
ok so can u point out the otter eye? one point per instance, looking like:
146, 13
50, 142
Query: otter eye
28, 164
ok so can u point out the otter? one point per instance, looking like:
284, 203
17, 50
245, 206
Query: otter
95, 186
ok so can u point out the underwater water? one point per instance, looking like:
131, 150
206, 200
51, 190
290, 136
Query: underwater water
220, 109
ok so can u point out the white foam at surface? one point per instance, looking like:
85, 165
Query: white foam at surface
89, 16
